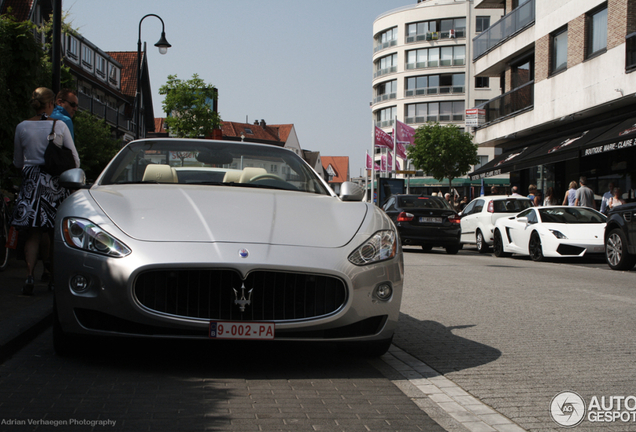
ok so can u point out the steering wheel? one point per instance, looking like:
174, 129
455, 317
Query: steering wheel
265, 177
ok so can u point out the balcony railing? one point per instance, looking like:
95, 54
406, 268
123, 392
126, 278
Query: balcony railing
630, 52
427, 91
514, 101
505, 28
435, 118
432, 36
103, 111
384, 97
435, 63
385, 71
382, 45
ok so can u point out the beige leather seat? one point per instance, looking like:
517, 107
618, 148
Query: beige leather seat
250, 172
160, 173
232, 177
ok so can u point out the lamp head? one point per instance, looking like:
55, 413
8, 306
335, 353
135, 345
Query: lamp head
163, 44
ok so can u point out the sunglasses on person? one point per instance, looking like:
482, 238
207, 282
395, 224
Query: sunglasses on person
72, 104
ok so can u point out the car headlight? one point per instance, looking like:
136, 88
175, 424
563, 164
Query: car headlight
85, 235
379, 247
558, 234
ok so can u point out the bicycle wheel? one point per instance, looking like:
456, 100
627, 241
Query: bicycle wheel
4, 235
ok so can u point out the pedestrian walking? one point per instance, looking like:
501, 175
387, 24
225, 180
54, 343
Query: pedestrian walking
606, 197
550, 198
66, 106
584, 195
615, 200
570, 195
40, 194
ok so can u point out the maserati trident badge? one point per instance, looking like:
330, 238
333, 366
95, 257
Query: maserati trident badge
242, 302
244, 253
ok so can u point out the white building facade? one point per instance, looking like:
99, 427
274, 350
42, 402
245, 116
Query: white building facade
422, 69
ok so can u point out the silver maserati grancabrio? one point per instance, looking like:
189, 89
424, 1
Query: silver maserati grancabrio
221, 240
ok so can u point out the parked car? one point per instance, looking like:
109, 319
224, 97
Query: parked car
424, 220
620, 237
264, 251
479, 217
554, 231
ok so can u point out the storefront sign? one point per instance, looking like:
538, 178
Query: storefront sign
609, 147
484, 175
475, 117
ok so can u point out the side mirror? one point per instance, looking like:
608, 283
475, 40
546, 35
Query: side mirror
73, 179
522, 220
350, 191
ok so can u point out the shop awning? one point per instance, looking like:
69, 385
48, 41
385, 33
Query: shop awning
554, 150
621, 136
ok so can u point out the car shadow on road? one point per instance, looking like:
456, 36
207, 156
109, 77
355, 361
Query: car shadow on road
439, 347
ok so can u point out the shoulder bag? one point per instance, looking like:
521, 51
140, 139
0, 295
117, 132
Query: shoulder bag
57, 159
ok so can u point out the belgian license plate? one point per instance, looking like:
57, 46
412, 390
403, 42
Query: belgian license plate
242, 330
430, 220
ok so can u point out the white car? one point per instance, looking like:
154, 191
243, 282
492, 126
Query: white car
554, 231
479, 217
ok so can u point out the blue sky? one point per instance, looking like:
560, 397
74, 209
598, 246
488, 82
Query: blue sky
304, 62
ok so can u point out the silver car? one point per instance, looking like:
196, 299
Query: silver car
222, 240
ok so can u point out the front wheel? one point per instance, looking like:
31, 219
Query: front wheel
498, 246
616, 254
452, 250
534, 247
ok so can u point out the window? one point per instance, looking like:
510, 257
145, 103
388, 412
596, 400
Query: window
483, 160
559, 50
385, 117
482, 82
436, 29
100, 66
596, 31
386, 39
483, 22
435, 111
72, 50
522, 73
87, 57
386, 90
113, 74
434, 57
435, 84
385, 65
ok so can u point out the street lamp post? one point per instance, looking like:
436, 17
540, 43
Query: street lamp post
163, 46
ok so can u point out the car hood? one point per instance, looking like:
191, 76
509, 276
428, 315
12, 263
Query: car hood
171, 213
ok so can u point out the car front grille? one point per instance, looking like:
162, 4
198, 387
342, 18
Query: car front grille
223, 295
570, 250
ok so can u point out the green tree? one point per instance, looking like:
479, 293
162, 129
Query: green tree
94, 142
189, 105
443, 151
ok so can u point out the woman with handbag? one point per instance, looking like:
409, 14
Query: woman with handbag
40, 193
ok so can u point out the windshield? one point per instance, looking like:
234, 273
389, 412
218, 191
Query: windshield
423, 202
208, 162
511, 205
571, 215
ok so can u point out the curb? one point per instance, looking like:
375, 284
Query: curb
19, 330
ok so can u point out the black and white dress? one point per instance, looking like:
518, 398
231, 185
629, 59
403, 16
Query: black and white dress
40, 194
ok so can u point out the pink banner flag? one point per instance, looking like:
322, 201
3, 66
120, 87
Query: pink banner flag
369, 162
397, 162
400, 150
405, 134
383, 168
383, 139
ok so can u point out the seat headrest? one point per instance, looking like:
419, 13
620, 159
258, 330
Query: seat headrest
160, 173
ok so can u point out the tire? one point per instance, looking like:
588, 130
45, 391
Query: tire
498, 246
616, 254
482, 247
427, 248
534, 247
452, 250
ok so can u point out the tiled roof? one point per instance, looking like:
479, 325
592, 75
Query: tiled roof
20, 9
128, 60
340, 164
277, 133
159, 122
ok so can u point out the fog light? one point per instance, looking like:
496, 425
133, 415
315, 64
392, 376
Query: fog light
79, 283
383, 292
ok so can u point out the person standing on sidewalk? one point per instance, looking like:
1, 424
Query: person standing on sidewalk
584, 195
40, 193
66, 106
606, 197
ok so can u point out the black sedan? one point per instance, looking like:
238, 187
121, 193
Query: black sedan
425, 220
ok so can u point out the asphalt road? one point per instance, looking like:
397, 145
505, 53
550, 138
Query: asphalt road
514, 333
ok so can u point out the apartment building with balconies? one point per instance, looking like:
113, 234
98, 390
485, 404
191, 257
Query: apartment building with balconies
567, 106
422, 70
